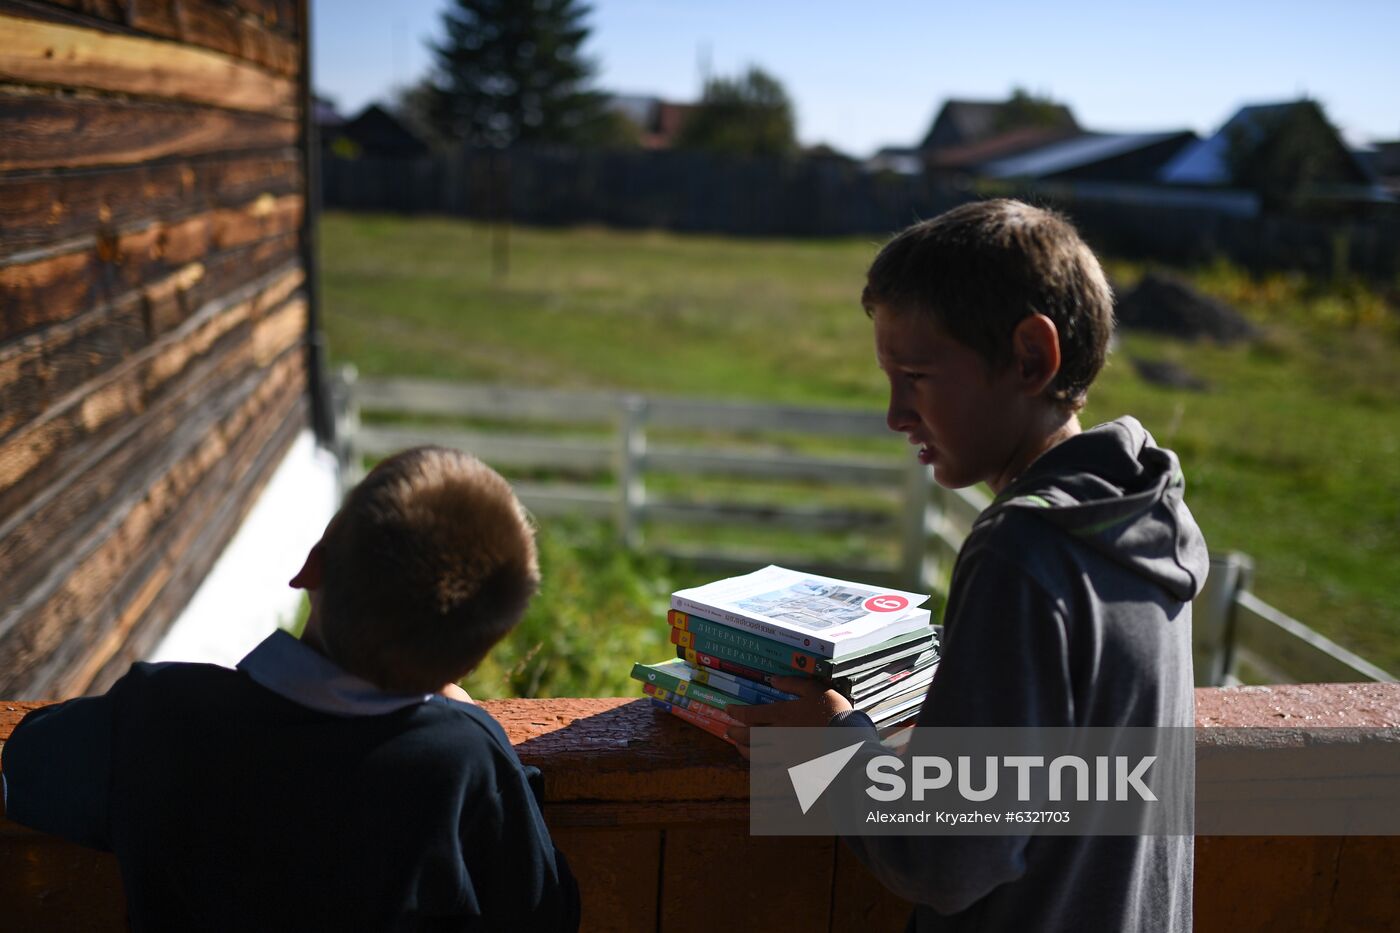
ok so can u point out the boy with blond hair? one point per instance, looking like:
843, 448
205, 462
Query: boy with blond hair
1069, 605
343, 781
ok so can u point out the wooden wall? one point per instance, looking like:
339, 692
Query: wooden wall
153, 313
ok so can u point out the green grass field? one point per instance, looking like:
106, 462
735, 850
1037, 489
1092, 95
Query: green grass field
1292, 456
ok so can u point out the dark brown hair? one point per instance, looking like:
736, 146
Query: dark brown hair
979, 269
429, 563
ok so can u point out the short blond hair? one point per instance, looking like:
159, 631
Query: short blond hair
428, 564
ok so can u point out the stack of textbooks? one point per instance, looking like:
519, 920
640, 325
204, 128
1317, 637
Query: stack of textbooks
874, 646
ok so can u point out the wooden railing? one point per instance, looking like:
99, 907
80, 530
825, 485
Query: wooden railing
652, 815
1238, 637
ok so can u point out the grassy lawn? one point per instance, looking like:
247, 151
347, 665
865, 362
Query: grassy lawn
1292, 456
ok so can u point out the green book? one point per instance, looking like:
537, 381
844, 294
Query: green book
674, 675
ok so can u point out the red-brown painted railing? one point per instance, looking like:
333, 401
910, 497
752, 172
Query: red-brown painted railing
652, 814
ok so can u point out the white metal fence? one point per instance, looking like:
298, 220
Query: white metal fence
593, 453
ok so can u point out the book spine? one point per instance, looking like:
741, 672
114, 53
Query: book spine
716, 729
701, 659
752, 659
690, 703
744, 689
746, 641
684, 688
818, 646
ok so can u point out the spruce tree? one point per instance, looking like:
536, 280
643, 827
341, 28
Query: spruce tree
511, 71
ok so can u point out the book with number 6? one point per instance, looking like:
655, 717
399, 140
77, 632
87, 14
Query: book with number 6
823, 616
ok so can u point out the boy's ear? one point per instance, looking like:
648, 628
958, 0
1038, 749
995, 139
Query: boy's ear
309, 576
1035, 348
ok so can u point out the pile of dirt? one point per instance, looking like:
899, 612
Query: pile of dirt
1168, 375
1167, 305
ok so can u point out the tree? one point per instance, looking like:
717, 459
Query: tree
512, 71
1027, 109
747, 115
1284, 152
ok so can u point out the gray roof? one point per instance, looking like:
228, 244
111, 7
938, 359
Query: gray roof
1072, 153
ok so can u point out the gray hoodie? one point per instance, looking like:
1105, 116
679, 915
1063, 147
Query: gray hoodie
1069, 606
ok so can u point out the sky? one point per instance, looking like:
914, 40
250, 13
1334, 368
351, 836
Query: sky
863, 75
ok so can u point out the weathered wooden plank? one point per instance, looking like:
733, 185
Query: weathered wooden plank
157, 587
206, 525
483, 401
497, 449
60, 287
208, 23
771, 465
101, 593
46, 131
70, 56
564, 499
792, 517
441, 398
44, 209
64, 434
739, 416
52, 522
38, 370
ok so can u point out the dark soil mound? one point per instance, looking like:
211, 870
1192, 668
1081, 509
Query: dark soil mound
1166, 305
1168, 375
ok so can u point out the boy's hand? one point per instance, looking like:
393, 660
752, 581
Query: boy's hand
454, 692
814, 706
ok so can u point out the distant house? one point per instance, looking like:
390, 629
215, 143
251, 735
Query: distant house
373, 132
1125, 158
658, 121
962, 123
968, 134
969, 159
902, 160
1336, 171
1384, 162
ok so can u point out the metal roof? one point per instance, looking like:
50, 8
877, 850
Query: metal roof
1072, 153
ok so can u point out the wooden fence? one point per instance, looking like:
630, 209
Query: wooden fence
1238, 636
702, 192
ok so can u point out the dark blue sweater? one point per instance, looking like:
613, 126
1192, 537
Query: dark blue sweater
230, 807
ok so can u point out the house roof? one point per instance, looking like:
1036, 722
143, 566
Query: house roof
378, 132
996, 147
961, 122
1079, 151
1206, 161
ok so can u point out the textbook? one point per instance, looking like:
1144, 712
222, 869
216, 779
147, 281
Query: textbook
826, 617
715, 728
855, 686
721, 638
690, 703
699, 659
746, 690
674, 675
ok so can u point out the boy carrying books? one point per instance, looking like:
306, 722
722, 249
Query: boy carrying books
1069, 605
339, 782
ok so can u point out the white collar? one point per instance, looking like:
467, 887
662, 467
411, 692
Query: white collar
298, 672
